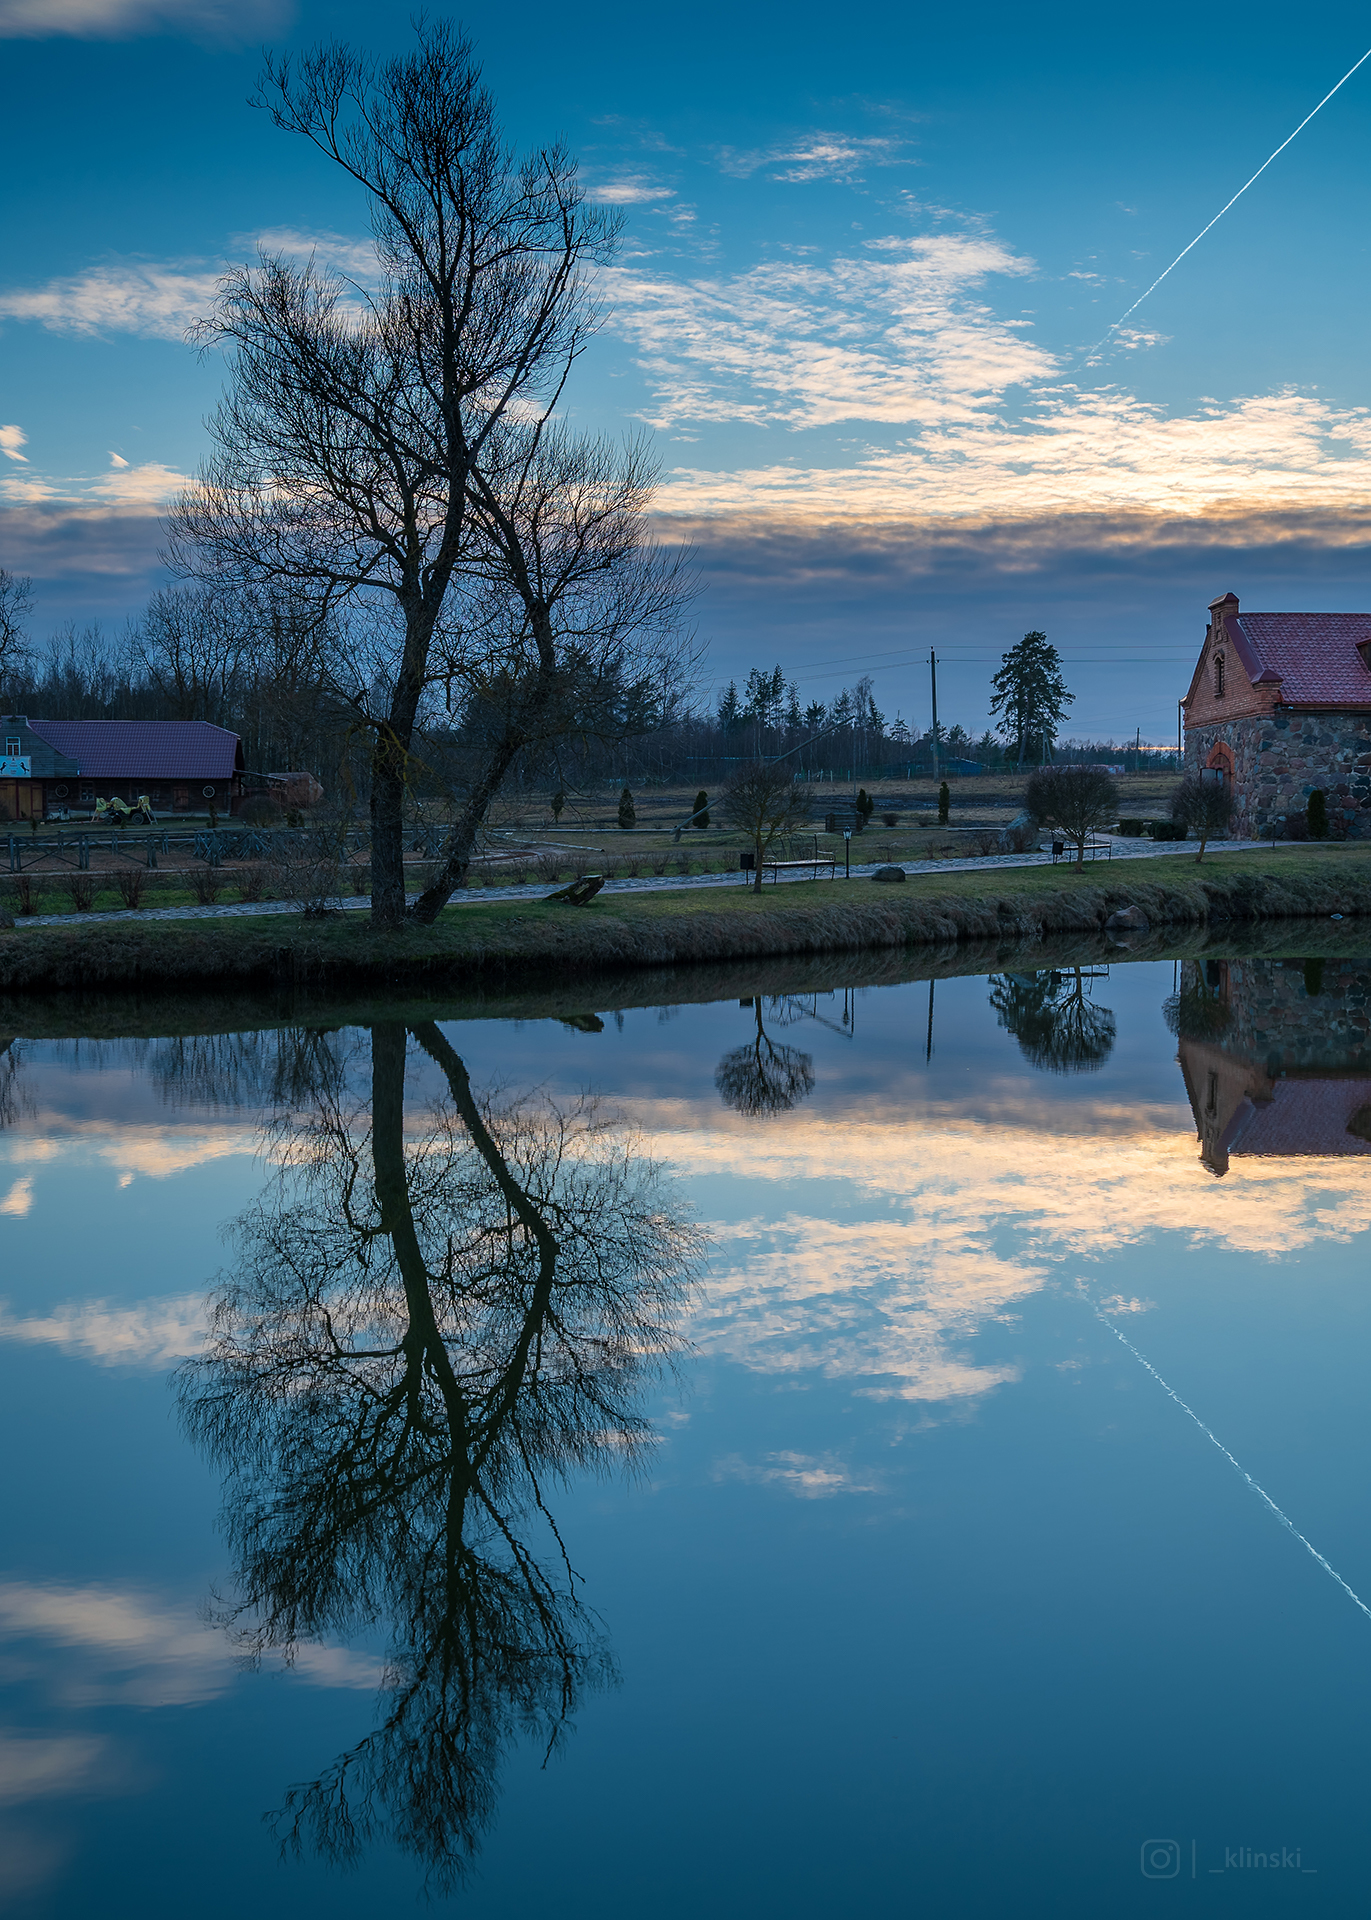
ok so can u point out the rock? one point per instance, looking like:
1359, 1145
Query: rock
1127, 920
889, 873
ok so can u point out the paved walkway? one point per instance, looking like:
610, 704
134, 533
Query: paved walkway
1123, 850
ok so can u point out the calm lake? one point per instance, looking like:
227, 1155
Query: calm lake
834, 1450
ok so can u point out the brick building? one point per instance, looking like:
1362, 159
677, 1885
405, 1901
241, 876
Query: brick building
1286, 1067
1281, 704
50, 766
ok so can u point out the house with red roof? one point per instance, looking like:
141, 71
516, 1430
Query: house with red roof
1280, 705
183, 766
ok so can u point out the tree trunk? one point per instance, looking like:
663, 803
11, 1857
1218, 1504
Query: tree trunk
390, 770
1204, 842
387, 832
520, 727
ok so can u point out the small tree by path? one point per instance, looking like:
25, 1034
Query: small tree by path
944, 804
1076, 801
627, 814
558, 802
1204, 806
700, 817
764, 802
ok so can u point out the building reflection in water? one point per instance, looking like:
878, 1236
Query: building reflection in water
1276, 1056
434, 1318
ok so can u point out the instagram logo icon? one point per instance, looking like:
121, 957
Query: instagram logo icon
1161, 1859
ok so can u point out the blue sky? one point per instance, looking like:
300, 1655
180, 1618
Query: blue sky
867, 255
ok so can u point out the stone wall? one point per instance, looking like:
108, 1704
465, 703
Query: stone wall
1277, 1023
1279, 758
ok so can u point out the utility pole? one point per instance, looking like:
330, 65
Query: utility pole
933, 671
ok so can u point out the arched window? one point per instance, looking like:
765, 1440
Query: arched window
1218, 676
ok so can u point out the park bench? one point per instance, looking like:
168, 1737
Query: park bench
1063, 849
748, 864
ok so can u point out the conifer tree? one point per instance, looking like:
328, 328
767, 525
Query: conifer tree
1030, 694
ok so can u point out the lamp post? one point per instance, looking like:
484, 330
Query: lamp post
847, 853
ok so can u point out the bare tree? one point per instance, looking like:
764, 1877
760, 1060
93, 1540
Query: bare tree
347, 442
433, 1319
16, 604
192, 643
766, 803
764, 1077
1204, 806
1077, 801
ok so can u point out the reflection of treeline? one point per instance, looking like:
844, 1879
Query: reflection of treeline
433, 1319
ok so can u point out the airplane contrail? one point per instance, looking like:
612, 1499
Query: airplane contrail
1228, 203
1284, 1519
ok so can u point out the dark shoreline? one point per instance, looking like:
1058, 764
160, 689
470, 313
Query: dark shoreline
188, 1007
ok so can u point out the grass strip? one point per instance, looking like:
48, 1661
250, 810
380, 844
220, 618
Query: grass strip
530, 938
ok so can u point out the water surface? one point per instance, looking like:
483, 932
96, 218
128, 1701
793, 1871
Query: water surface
696, 1460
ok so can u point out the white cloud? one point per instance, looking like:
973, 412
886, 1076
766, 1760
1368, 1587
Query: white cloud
815, 156
806, 1476
970, 1216
37, 1766
150, 1333
19, 1199
149, 484
126, 1648
892, 334
356, 258
117, 459
129, 297
11, 439
632, 192
123, 19
1074, 452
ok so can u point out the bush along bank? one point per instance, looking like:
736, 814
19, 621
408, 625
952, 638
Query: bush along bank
664, 929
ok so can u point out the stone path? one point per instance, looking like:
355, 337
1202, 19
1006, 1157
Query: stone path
1123, 850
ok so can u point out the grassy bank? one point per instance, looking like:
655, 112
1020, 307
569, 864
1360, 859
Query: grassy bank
525, 940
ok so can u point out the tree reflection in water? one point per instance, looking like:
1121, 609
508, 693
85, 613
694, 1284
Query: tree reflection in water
424, 1329
764, 1076
1059, 1028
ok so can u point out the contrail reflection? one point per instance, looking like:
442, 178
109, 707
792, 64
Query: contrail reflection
1284, 1518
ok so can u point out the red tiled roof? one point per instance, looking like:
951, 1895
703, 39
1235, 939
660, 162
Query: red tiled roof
144, 749
1303, 1116
1313, 655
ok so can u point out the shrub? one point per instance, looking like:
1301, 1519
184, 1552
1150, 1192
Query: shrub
987, 841
26, 895
131, 882
890, 819
81, 887
1168, 829
944, 803
549, 867
260, 810
251, 882
204, 883
558, 802
700, 811
866, 806
659, 864
1316, 813
627, 816
1296, 826
1132, 829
